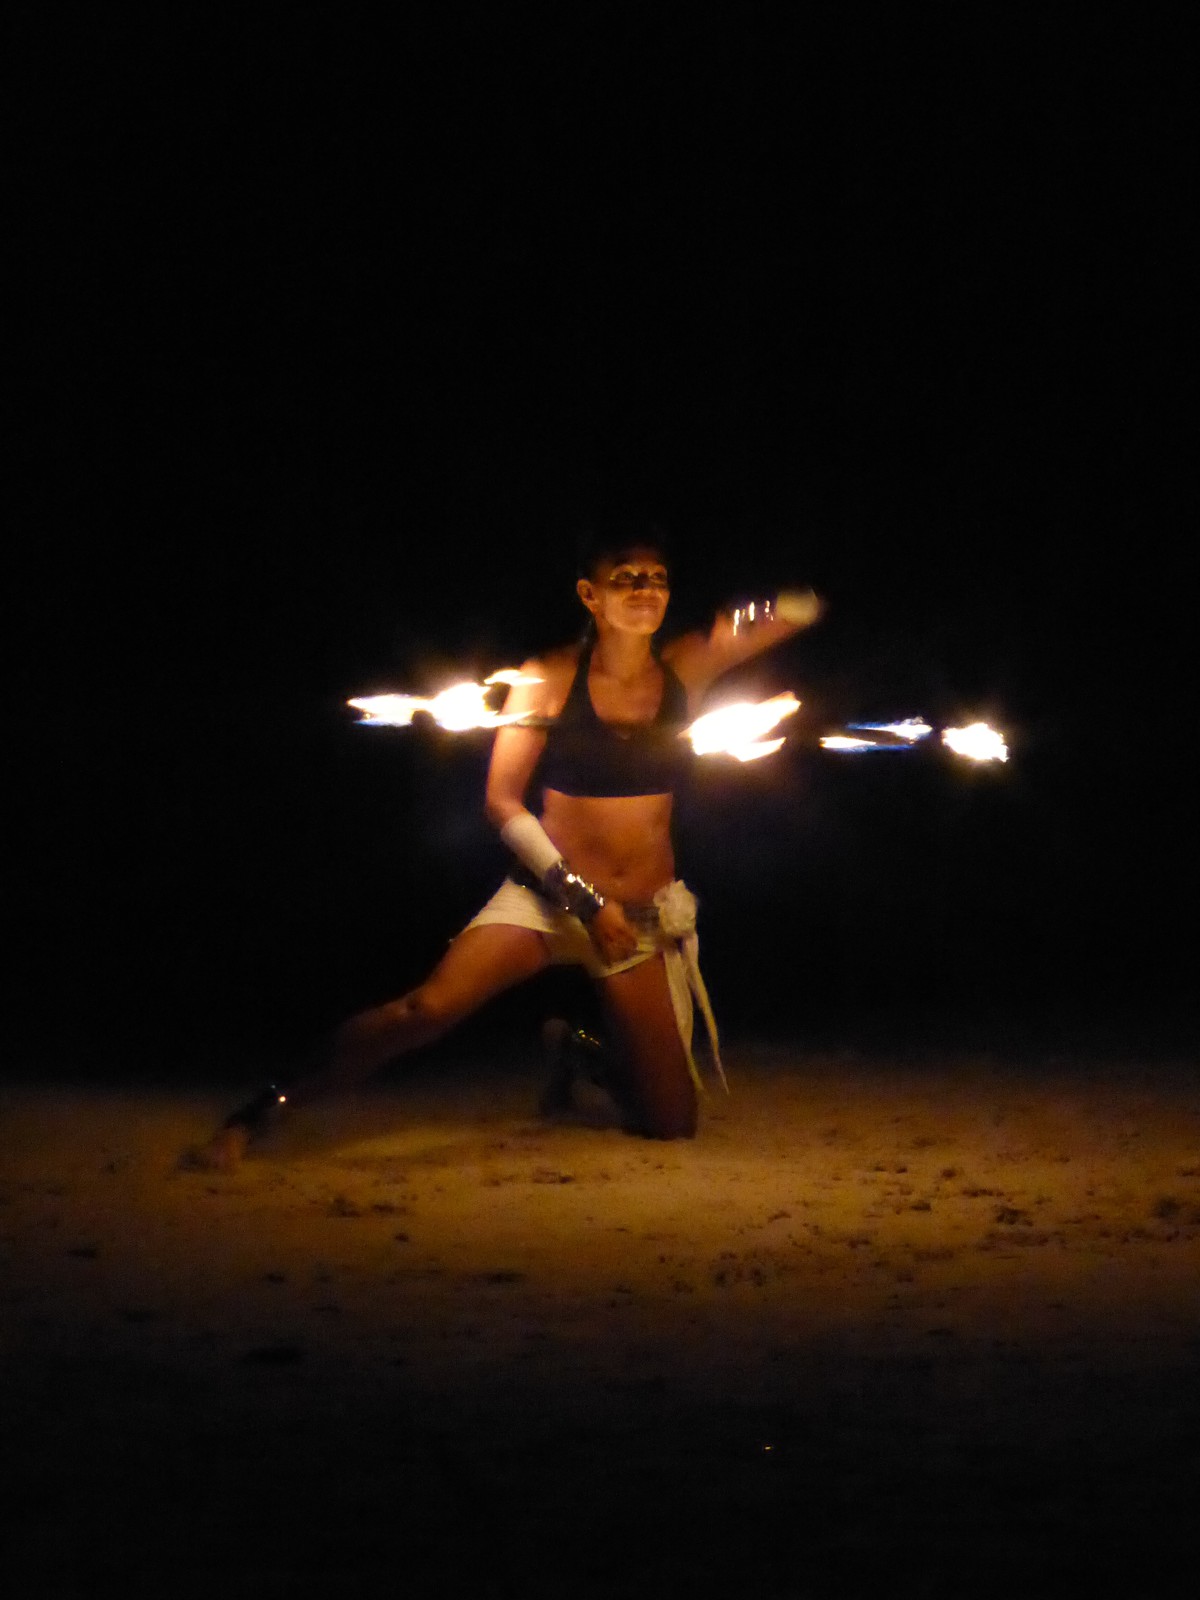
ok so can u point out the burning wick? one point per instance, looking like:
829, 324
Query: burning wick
978, 742
911, 729
460, 707
847, 741
900, 735
738, 730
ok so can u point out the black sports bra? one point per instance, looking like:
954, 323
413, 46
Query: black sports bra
584, 756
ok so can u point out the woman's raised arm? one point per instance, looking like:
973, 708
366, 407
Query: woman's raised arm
738, 635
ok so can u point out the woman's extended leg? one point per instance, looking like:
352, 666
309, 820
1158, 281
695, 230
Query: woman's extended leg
657, 1082
479, 964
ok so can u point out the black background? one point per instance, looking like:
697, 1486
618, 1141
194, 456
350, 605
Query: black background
334, 325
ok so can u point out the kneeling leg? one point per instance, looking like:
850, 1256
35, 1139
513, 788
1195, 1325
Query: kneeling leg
657, 1080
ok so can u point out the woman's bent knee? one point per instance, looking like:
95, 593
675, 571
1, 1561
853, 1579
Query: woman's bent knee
415, 1019
429, 1012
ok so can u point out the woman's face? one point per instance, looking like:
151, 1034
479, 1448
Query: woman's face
629, 592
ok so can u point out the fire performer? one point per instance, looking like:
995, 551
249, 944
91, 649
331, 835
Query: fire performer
594, 878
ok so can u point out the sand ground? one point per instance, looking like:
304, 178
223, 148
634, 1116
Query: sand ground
928, 1325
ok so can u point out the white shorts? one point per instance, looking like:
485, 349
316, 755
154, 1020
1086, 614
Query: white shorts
666, 927
566, 939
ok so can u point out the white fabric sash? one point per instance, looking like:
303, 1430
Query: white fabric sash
681, 956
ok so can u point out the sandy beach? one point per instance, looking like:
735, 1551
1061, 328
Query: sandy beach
935, 1325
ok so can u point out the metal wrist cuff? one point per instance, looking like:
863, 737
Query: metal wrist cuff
574, 894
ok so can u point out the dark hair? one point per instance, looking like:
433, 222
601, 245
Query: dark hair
613, 538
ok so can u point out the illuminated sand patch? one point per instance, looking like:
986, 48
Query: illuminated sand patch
951, 1305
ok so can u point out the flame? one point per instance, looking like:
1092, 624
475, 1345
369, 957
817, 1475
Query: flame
978, 742
896, 735
847, 741
911, 729
460, 707
738, 730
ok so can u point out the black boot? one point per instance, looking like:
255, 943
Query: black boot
573, 1057
243, 1127
262, 1115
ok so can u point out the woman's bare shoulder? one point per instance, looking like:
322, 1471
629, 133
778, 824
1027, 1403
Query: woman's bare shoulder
685, 655
554, 669
562, 658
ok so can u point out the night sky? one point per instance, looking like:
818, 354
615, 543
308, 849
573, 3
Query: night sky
333, 327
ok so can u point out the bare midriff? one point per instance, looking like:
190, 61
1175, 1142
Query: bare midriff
621, 844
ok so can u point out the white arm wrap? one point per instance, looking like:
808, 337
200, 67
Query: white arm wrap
530, 843
533, 846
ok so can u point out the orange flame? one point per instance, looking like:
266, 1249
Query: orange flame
738, 730
978, 742
460, 707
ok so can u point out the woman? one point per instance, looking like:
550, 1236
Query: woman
595, 880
